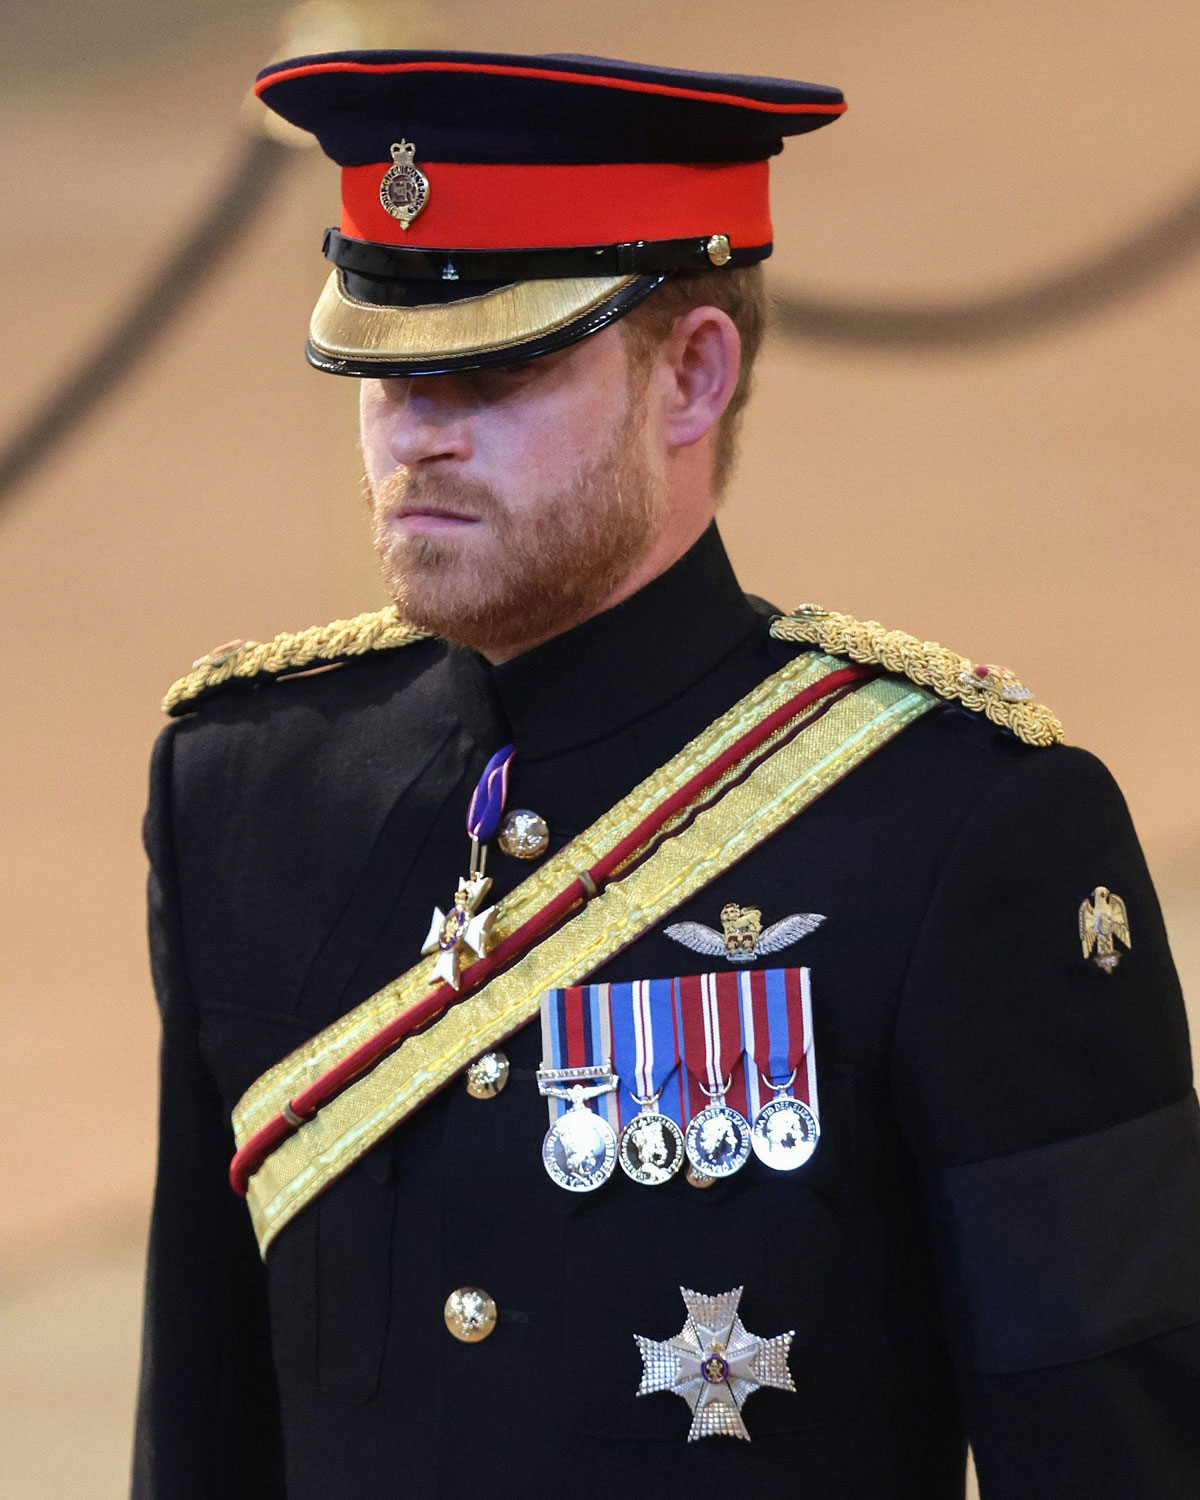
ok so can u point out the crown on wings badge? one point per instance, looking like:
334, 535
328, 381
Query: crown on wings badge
742, 938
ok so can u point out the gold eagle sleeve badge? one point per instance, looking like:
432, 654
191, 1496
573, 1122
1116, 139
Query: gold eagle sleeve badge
1102, 918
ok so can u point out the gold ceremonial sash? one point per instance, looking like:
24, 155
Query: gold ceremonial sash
750, 809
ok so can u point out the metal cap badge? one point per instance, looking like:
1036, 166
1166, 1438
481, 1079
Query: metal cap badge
404, 191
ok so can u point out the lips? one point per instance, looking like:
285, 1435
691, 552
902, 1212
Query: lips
435, 512
432, 518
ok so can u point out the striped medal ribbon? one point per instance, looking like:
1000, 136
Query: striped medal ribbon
718, 1136
628, 1031
646, 1060
781, 1068
654, 1073
576, 1075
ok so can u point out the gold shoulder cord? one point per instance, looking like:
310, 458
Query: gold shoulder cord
293, 651
993, 691
982, 687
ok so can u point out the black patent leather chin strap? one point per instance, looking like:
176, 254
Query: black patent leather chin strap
635, 258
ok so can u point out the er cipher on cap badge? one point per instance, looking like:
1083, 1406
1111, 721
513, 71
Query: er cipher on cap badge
404, 191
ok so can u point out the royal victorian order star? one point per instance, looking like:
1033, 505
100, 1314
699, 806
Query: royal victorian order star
462, 927
714, 1364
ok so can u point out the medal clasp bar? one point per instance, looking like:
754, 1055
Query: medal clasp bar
550, 1076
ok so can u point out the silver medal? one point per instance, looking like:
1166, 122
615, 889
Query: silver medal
580, 1148
651, 1149
785, 1133
718, 1140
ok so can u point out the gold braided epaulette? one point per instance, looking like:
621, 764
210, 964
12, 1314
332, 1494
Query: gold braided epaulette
293, 651
983, 688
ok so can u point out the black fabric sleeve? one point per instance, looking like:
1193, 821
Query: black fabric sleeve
1049, 1105
207, 1419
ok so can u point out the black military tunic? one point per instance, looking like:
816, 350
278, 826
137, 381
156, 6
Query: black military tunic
994, 1241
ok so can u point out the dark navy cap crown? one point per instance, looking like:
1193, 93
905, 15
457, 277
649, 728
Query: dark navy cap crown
496, 107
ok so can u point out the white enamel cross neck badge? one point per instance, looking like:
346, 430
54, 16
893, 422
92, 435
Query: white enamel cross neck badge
714, 1364
463, 928
742, 938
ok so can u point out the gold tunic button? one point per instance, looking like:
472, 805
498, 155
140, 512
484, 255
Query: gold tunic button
524, 834
470, 1314
698, 1179
487, 1075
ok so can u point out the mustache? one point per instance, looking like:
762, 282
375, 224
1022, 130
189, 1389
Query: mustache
448, 491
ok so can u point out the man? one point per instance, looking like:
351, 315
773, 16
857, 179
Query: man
839, 981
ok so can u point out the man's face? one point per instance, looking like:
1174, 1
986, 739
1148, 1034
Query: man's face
510, 504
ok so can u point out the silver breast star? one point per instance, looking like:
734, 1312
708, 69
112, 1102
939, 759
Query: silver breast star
714, 1364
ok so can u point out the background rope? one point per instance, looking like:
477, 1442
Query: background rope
152, 312
1144, 256
1109, 275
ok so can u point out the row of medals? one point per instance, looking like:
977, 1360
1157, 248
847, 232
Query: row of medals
581, 1149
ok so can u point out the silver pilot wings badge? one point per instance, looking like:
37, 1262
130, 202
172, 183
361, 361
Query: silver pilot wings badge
742, 938
714, 1364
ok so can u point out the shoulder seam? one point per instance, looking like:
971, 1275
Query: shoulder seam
981, 687
291, 651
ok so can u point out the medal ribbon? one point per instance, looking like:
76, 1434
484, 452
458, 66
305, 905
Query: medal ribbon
488, 798
714, 1020
646, 1047
711, 1026
776, 1012
577, 1033
634, 1026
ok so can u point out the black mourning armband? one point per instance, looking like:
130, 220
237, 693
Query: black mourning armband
1076, 1249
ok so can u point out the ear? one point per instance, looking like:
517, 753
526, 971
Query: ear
700, 360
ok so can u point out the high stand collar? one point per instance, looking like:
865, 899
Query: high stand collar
621, 665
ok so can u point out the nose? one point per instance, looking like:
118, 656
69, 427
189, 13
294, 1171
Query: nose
426, 418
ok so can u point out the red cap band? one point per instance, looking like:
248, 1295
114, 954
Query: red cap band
524, 207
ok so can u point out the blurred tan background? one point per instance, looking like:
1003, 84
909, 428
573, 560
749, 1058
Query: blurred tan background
1028, 502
